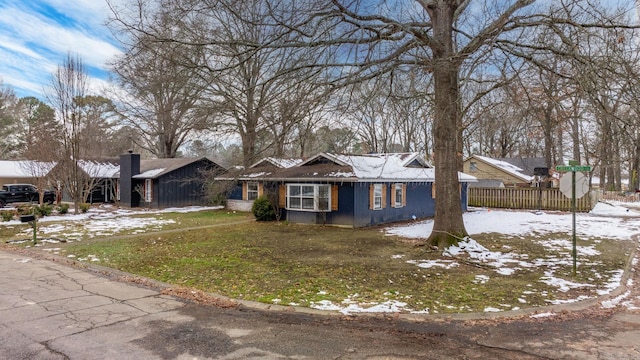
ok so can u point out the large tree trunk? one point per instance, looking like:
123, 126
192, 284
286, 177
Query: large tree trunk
448, 225
548, 135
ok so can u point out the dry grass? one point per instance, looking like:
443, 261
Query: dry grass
296, 264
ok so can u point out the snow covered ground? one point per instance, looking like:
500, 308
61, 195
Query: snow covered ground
104, 220
618, 221
607, 220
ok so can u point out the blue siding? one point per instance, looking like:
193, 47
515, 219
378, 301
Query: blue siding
236, 193
353, 205
419, 204
463, 197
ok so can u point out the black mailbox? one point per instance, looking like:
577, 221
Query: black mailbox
27, 218
541, 171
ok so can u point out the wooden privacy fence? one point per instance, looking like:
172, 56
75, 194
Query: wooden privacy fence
620, 196
528, 198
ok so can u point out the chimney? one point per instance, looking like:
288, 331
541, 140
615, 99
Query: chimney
129, 166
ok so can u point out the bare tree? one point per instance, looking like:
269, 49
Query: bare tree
68, 84
162, 87
254, 89
251, 44
443, 36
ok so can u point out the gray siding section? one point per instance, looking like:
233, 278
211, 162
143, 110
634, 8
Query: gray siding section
181, 187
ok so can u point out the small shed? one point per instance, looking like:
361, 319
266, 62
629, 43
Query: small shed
349, 190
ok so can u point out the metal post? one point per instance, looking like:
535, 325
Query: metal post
573, 210
35, 231
539, 195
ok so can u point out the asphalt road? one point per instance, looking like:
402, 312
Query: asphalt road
50, 309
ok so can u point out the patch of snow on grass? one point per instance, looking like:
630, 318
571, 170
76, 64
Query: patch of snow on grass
427, 264
562, 284
491, 309
614, 282
543, 315
611, 303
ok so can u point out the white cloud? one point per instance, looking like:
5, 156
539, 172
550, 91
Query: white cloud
32, 45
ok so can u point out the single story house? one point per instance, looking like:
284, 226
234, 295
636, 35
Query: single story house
24, 171
347, 190
97, 178
103, 181
162, 183
503, 172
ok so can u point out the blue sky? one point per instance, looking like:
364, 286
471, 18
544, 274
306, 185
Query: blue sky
37, 35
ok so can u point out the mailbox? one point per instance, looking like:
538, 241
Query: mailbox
27, 218
541, 171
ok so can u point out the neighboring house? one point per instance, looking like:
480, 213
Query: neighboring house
161, 183
504, 172
24, 171
103, 180
99, 177
348, 190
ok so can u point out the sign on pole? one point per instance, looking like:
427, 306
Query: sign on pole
573, 187
567, 168
566, 185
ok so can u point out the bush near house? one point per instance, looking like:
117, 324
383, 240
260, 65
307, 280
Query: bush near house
25, 209
7, 215
263, 209
43, 210
63, 208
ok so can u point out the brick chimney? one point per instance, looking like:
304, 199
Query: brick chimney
129, 166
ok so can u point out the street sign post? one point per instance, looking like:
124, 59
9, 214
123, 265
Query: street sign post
573, 167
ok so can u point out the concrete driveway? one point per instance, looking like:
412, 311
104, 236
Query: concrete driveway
52, 310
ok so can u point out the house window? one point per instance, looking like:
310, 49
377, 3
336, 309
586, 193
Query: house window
473, 167
252, 191
400, 195
377, 196
148, 190
309, 197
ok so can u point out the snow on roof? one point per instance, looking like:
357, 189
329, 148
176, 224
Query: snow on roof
149, 173
405, 167
506, 167
389, 166
282, 163
24, 168
97, 169
384, 166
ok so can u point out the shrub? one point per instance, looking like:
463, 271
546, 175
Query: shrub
43, 210
63, 208
263, 210
24, 210
7, 215
84, 207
